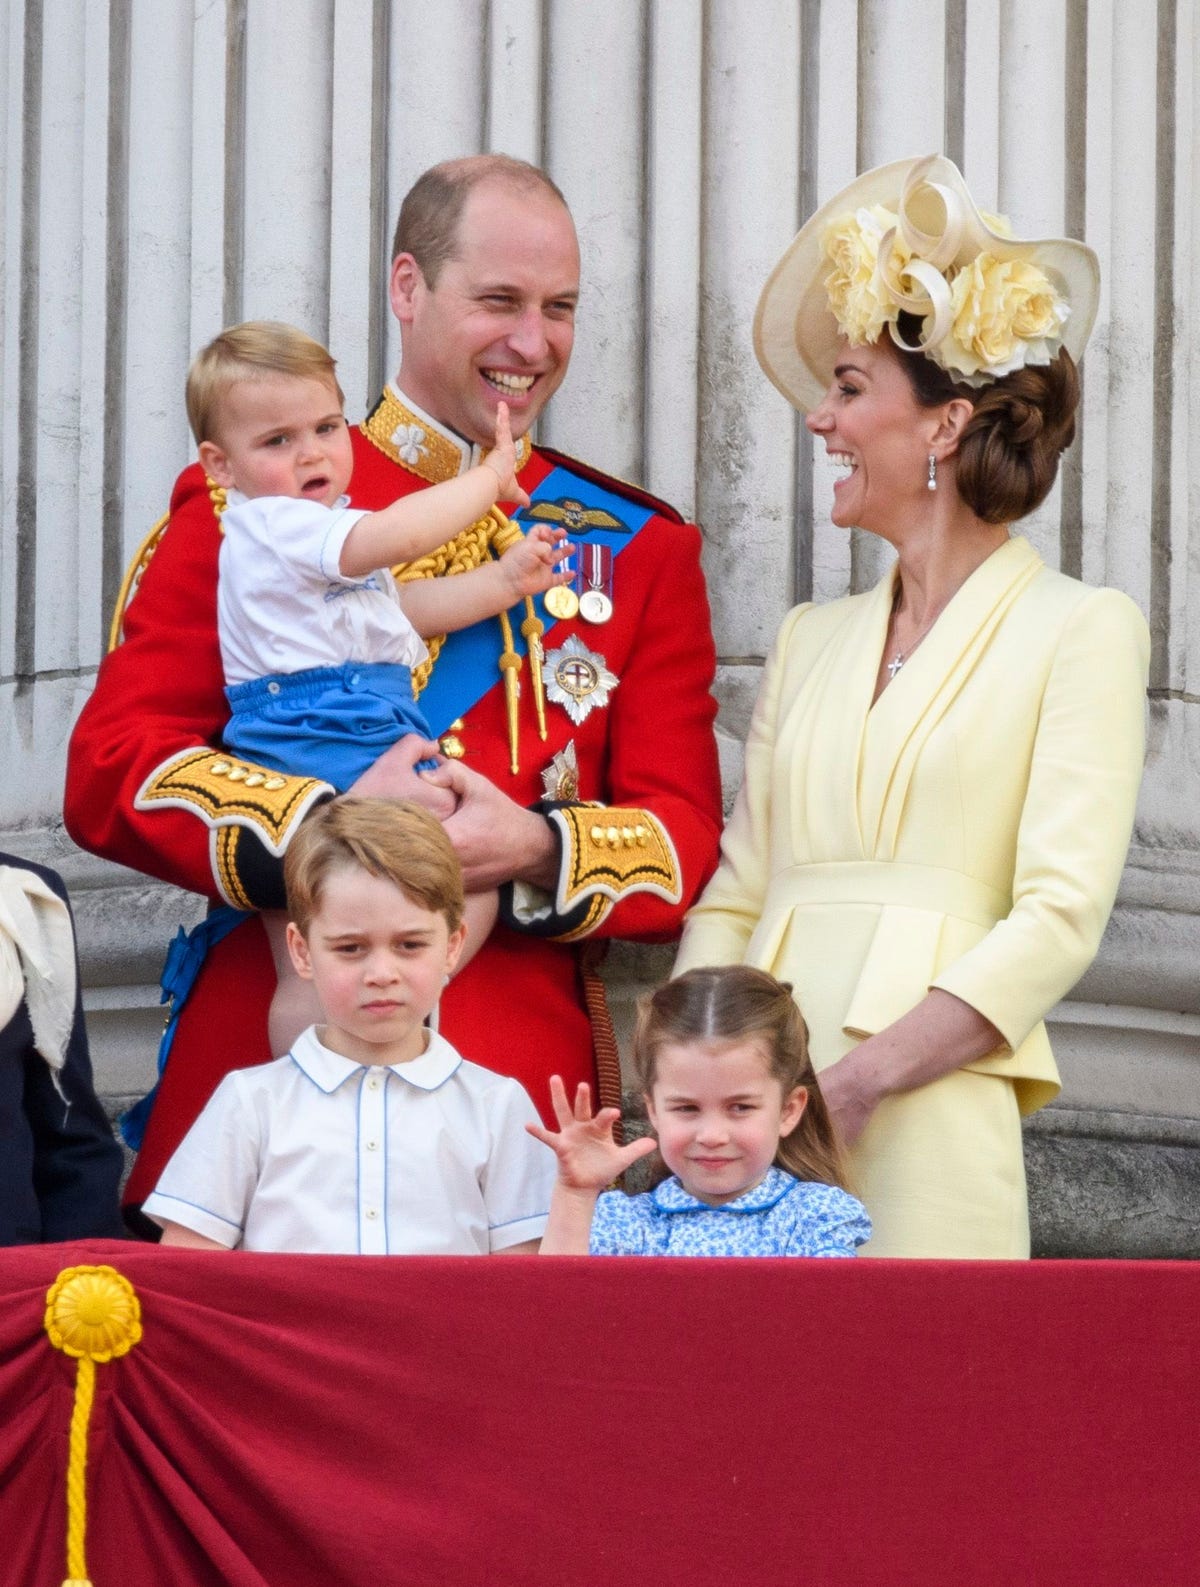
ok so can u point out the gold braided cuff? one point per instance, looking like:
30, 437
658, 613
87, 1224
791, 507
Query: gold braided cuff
230, 795
609, 854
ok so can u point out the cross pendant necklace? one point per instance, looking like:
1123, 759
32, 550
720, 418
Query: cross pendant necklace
901, 656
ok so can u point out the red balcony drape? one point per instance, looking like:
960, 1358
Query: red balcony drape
313, 1421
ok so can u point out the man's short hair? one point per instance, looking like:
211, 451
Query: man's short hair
390, 838
251, 351
429, 216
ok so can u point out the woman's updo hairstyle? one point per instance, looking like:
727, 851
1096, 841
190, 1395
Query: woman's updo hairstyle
1008, 453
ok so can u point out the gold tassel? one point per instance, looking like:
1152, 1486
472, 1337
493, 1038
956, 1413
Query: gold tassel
93, 1314
533, 628
510, 667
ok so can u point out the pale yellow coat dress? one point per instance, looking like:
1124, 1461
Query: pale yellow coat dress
967, 832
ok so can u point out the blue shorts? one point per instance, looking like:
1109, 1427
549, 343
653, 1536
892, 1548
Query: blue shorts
327, 722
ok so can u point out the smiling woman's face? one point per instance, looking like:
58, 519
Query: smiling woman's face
873, 426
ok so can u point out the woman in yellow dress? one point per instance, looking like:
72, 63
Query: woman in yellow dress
940, 773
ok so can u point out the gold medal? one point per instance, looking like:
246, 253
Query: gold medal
561, 601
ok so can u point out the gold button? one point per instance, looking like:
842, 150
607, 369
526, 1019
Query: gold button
238, 774
219, 768
614, 837
639, 833
451, 746
272, 784
598, 836
255, 780
457, 725
627, 836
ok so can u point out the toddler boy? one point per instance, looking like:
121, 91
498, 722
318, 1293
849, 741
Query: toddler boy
317, 640
372, 1134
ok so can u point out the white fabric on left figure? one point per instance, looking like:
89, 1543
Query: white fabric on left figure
37, 961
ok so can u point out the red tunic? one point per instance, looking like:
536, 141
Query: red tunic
518, 1006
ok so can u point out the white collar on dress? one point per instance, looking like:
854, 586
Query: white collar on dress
328, 1069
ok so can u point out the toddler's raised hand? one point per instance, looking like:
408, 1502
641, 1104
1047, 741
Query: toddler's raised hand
588, 1157
502, 459
534, 563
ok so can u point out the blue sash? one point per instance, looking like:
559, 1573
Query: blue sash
466, 668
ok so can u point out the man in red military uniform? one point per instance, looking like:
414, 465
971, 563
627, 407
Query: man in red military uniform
602, 823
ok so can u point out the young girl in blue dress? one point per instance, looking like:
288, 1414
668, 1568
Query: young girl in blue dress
750, 1164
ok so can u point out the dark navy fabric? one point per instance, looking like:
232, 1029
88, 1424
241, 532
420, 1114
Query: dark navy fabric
60, 1167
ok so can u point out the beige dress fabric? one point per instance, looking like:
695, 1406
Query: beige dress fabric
967, 832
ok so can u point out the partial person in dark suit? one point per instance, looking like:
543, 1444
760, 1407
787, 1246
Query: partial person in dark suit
60, 1167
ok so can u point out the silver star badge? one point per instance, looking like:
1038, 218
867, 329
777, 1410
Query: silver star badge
577, 679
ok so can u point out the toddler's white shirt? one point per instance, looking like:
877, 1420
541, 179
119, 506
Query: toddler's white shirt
282, 604
314, 1152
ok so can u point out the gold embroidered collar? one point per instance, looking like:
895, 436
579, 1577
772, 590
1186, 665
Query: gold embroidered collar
422, 445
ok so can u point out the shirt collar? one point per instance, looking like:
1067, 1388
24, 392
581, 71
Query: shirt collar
670, 1196
328, 1069
410, 437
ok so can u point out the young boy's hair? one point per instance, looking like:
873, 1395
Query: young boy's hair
721, 1005
390, 838
251, 351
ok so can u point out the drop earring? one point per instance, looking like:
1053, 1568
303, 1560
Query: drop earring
932, 472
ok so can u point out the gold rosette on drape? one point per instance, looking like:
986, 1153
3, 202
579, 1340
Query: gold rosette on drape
93, 1314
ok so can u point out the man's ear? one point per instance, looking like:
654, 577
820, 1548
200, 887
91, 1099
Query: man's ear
215, 464
404, 283
298, 950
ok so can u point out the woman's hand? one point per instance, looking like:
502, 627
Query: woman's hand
940, 1034
589, 1159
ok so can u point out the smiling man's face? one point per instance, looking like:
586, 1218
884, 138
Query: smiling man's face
498, 324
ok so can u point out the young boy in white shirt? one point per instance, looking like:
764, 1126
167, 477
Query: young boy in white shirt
372, 1134
317, 640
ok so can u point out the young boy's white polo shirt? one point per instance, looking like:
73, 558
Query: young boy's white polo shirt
317, 1153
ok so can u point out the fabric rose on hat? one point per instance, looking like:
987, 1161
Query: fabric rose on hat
1006, 314
857, 300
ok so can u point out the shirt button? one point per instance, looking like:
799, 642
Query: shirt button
372, 1146
354, 680
372, 1214
373, 1083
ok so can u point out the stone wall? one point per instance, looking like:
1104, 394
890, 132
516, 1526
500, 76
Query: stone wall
168, 167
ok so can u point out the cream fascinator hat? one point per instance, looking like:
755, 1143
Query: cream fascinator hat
907, 238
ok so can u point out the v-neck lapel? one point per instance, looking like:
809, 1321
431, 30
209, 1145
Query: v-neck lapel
916, 699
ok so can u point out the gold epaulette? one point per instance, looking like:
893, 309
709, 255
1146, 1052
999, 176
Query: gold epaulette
230, 795
609, 853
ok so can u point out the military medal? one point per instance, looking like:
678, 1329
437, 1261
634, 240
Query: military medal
561, 601
596, 570
577, 679
560, 780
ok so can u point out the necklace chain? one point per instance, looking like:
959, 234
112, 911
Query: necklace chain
902, 656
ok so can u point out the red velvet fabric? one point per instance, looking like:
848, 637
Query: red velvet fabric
289, 1421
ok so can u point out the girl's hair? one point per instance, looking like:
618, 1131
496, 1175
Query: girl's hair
724, 1004
1008, 453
